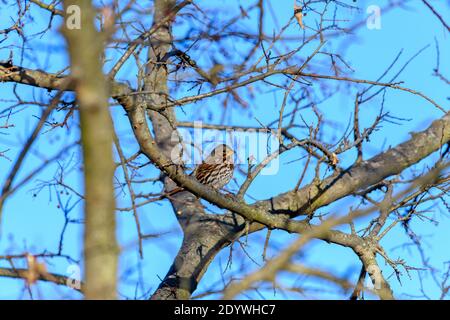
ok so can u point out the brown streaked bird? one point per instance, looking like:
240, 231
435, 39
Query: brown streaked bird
216, 171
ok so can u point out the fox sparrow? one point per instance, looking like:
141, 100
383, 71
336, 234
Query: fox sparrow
217, 169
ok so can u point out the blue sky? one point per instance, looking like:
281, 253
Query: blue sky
34, 217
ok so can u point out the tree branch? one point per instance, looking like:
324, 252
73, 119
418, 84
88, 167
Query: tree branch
100, 246
49, 277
